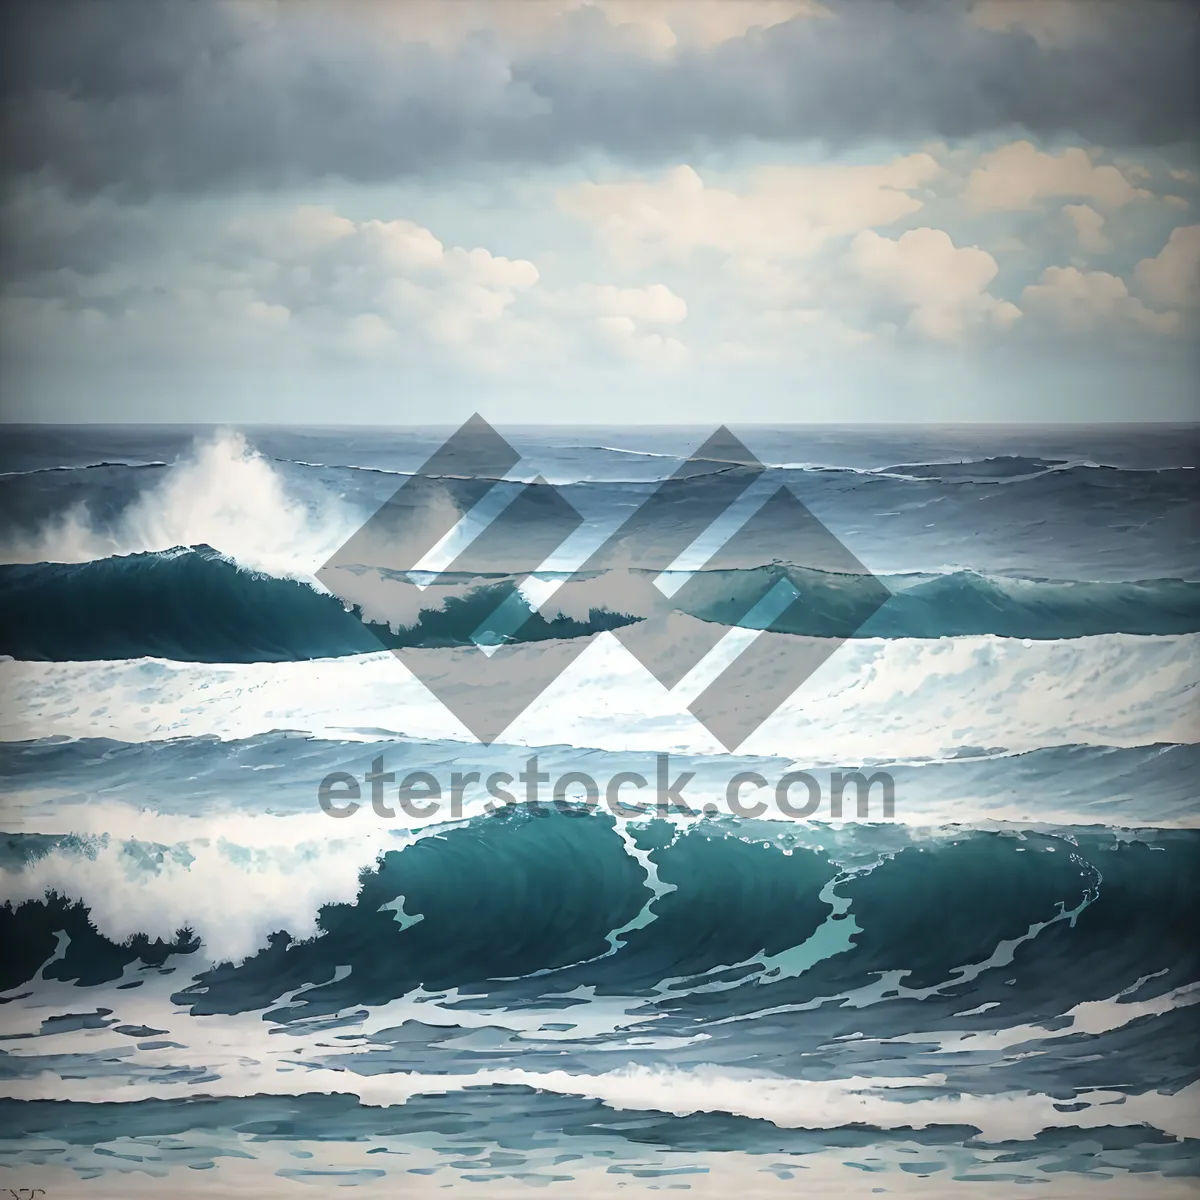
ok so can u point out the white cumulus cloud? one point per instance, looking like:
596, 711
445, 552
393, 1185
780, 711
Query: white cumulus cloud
1019, 175
787, 211
1077, 301
1089, 228
1172, 278
943, 286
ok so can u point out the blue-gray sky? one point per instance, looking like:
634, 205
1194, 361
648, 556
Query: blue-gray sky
600, 210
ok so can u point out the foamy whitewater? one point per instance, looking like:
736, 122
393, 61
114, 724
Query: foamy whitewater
209, 986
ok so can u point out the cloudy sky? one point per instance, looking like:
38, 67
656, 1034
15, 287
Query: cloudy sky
600, 210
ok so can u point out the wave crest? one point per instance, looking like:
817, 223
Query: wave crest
223, 493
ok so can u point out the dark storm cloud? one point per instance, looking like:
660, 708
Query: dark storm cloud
166, 97
41, 231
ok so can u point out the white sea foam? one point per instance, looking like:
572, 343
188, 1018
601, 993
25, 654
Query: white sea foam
874, 700
787, 1103
232, 879
247, 1060
222, 493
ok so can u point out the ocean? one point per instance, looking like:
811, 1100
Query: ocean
210, 986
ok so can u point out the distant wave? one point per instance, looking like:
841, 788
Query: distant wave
637, 453
94, 466
1002, 468
194, 605
995, 469
1008, 468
